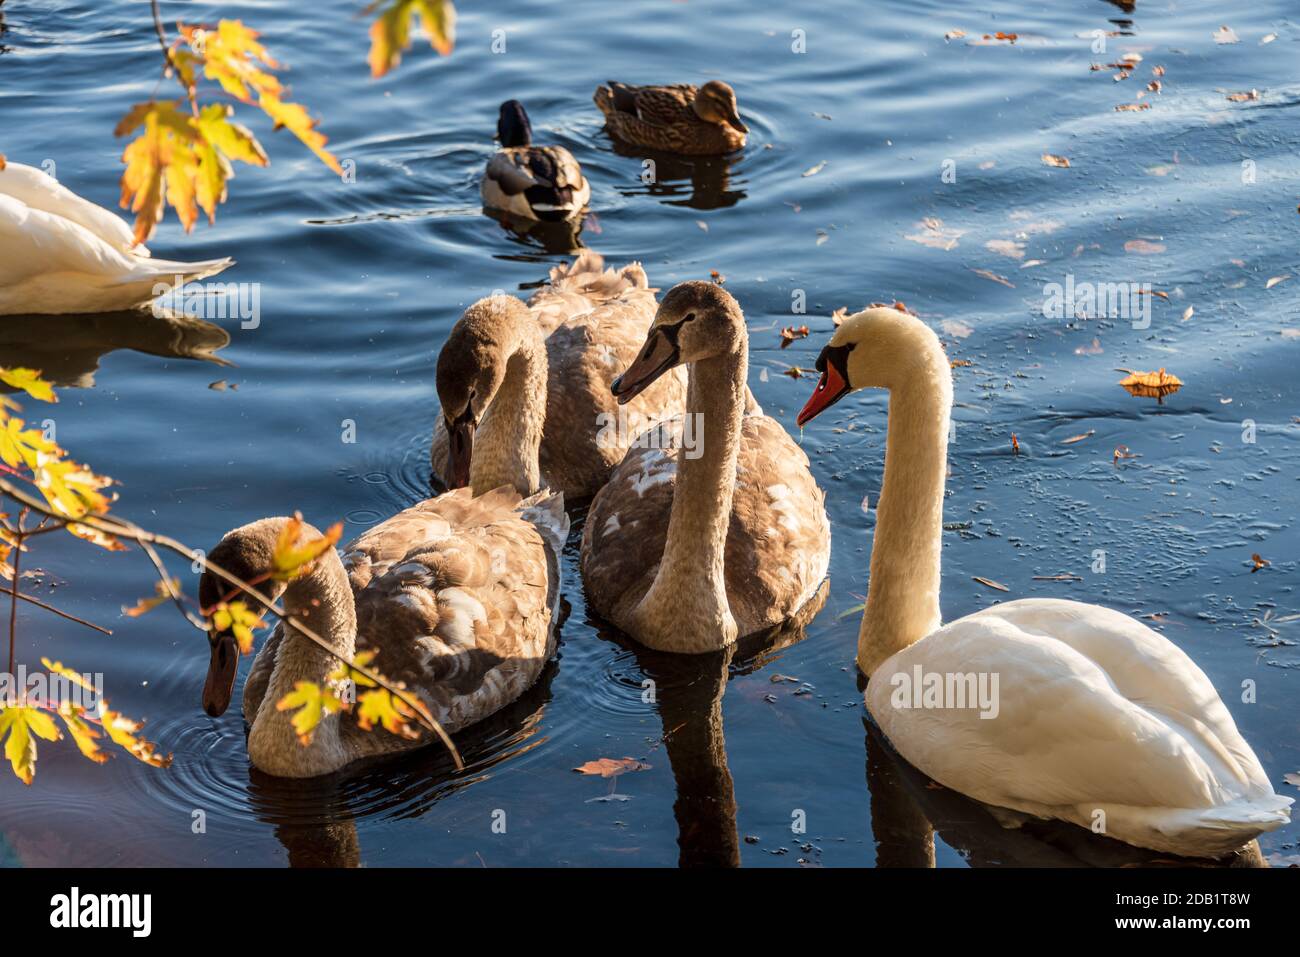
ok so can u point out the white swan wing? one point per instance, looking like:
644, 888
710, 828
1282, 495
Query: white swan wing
1092, 712
36, 242
36, 190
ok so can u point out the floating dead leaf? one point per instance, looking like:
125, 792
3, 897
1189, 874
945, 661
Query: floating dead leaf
1079, 438
990, 583
1188, 313
1144, 247
1275, 280
1051, 159
1065, 577
1033, 262
702, 224
717, 277
1122, 452
1152, 385
1157, 71
1006, 247
1092, 350
814, 170
1132, 107
933, 233
1008, 37
1225, 34
794, 372
1246, 97
1257, 562
822, 236
1269, 38
959, 363
1155, 86
1015, 444
994, 277
954, 34
792, 333
956, 328
612, 767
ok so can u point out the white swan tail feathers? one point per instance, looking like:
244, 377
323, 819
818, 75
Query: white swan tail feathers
546, 511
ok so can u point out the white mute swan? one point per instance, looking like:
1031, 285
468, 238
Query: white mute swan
532, 182
554, 362
1098, 719
712, 528
457, 594
60, 253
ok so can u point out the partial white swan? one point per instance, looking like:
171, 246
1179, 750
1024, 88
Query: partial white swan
712, 527
60, 253
1100, 721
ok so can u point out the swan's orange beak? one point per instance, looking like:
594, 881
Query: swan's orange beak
222, 668
831, 387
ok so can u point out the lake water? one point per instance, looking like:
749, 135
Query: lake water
360, 282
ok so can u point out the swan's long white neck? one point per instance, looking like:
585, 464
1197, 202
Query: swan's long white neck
322, 600
903, 594
509, 439
686, 609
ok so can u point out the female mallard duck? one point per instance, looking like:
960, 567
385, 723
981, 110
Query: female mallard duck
60, 253
532, 182
1095, 719
457, 594
552, 362
694, 121
712, 527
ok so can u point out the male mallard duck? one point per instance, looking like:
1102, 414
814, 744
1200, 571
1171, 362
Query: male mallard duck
60, 253
533, 182
695, 121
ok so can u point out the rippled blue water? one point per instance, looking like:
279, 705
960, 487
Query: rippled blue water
360, 283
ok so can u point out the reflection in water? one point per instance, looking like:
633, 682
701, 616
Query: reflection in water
67, 349
908, 809
561, 237
709, 178
315, 818
688, 691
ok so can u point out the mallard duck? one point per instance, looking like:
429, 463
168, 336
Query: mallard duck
533, 182
1051, 708
694, 121
499, 376
712, 527
60, 253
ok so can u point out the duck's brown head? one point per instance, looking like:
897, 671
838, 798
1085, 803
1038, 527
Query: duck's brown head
471, 367
696, 320
715, 102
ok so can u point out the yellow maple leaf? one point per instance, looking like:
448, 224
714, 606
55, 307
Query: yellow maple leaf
59, 668
23, 725
390, 34
122, 731
85, 736
313, 703
345, 672
295, 118
239, 619
161, 594
29, 381
165, 138
382, 707
293, 556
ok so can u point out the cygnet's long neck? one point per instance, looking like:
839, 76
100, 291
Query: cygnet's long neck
509, 439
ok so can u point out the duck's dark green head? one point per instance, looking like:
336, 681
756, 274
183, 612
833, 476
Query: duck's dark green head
513, 128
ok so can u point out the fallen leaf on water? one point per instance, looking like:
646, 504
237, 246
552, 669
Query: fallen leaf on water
990, 583
1154, 86
822, 236
1122, 452
1225, 34
932, 232
794, 372
702, 224
1152, 385
1143, 247
1157, 71
1243, 97
954, 34
1188, 313
1009, 37
1006, 247
1032, 262
1053, 160
956, 328
1093, 350
1132, 107
717, 277
1275, 280
959, 363
790, 333
1258, 562
612, 767
994, 277
1067, 577
1079, 438
1267, 39
814, 170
